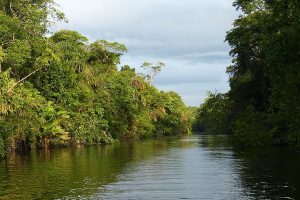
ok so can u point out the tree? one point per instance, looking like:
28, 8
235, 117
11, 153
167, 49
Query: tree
63, 90
265, 75
2, 55
214, 114
153, 70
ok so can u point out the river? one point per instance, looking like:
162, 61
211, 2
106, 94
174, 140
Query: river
190, 167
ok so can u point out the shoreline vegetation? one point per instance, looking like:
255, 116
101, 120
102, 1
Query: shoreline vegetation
62, 90
262, 107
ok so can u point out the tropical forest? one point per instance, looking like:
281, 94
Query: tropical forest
81, 117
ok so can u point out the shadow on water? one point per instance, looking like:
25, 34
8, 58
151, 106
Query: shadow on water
271, 173
192, 167
71, 173
265, 173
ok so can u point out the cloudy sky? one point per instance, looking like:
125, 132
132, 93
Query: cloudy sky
188, 36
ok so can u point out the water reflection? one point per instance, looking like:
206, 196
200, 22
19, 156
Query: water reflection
272, 173
195, 167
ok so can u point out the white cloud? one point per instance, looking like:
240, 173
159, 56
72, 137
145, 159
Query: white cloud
187, 35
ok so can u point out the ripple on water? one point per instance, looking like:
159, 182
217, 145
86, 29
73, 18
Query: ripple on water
195, 167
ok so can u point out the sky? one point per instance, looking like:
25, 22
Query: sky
188, 36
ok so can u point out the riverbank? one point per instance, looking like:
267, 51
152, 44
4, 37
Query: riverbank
63, 89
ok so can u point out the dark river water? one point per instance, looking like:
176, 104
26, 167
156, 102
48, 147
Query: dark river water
191, 167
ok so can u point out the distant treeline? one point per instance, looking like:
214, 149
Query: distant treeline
263, 104
62, 89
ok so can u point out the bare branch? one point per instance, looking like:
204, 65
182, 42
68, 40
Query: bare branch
23, 79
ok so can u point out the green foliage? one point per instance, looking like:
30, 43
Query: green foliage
20, 113
18, 53
213, 115
264, 75
252, 128
171, 114
105, 52
2, 55
2, 148
63, 90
